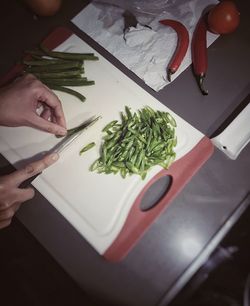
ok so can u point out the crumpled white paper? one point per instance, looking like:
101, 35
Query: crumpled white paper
145, 51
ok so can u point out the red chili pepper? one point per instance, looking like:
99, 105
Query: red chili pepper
181, 48
199, 52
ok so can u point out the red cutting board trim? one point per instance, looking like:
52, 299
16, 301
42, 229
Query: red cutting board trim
58, 36
138, 221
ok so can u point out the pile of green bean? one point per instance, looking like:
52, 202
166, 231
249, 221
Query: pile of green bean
59, 69
140, 141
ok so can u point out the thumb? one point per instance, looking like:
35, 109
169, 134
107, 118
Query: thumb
32, 169
47, 126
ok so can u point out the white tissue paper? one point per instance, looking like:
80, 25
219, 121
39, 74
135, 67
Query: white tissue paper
144, 51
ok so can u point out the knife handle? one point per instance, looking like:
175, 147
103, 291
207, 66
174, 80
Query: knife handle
235, 136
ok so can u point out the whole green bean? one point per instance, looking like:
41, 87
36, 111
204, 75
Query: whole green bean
53, 67
69, 55
41, 61
58, 69
67, 90
68, 82
76, 74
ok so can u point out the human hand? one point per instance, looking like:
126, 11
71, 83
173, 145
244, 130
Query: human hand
11, 196
28, 102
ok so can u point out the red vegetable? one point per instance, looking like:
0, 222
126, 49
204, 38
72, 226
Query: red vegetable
44, 7
181, 48
223, 18
199, 52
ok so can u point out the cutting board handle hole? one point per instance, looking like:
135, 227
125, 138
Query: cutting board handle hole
155, 193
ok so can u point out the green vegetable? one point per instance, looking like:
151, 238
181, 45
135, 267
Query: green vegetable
140, 141
41, 61
82, 126
58, 69
68, 82
69, 55
87, 147
53, 67
67, 90
76, 74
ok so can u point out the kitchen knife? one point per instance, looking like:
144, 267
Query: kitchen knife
232, 137
71, 136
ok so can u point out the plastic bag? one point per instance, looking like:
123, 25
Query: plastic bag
141, 6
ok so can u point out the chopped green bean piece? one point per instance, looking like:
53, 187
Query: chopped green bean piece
87, 147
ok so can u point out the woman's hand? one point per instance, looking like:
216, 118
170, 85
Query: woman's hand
28, 102
11, 196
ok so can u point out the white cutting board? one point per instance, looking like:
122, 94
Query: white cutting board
97, 205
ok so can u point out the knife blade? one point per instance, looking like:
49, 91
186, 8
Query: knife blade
67, 140
72, 135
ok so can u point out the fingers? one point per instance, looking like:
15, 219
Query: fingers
10, 207
28, 77
46, 113
21, 102
32, 169
45, 125
11, 196
15, 196
48, 116
52, 108
5, 223
7, 215
9, 212
48, 97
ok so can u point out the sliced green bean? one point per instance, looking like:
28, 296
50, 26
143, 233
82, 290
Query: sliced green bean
170, 119
110, 125
87, 147
95, 165
141, 141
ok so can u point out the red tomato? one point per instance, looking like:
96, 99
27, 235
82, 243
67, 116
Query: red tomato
44, 7
223, 18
